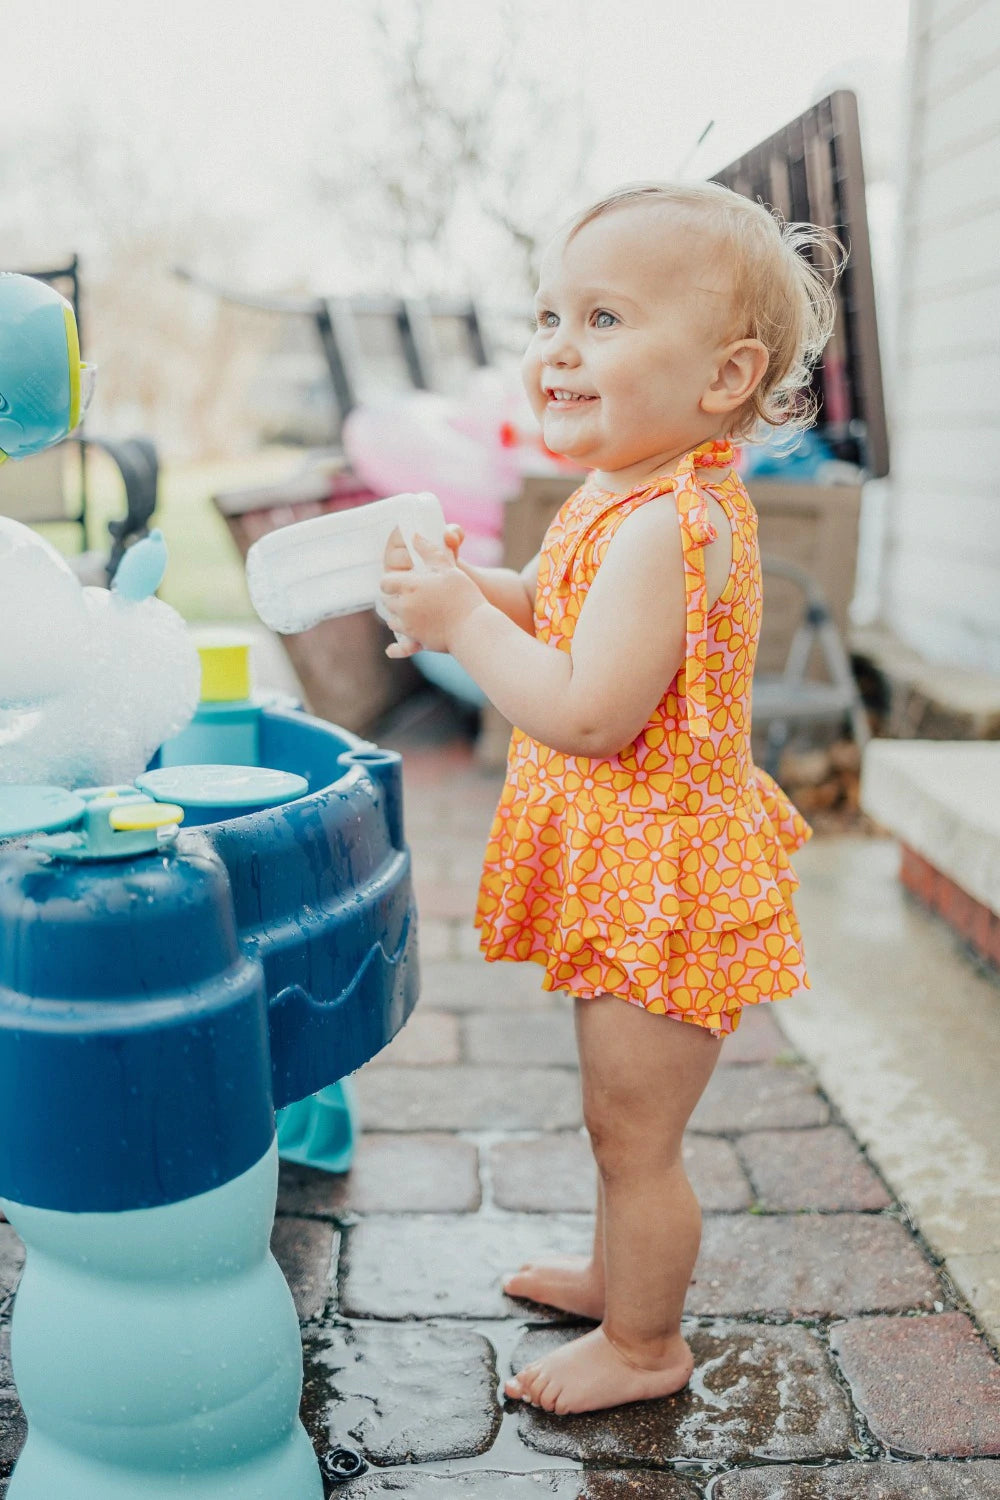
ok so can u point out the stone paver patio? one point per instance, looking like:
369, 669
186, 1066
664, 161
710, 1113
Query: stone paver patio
833, 1361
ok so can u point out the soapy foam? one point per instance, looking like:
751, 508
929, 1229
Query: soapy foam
90, 684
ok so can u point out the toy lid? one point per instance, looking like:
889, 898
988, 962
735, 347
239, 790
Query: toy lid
222, 786
37, 809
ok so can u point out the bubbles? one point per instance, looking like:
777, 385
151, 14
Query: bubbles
39, 595
90, 684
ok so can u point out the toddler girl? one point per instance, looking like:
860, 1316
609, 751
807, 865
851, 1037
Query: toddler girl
637, 853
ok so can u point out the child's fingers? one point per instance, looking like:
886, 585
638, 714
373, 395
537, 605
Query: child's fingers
397, 553
454, 536
431, 553
392, 583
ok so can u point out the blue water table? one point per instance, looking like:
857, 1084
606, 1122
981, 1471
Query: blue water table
162, 993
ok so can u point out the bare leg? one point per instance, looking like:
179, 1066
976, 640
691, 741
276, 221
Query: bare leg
642, 1076
574, 1283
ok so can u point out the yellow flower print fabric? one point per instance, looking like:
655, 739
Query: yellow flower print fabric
660, 875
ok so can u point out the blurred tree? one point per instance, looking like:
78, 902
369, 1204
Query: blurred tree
461, 167
171, 365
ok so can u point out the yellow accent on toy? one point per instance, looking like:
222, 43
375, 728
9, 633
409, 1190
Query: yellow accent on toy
225, 670
73, 349
134, 817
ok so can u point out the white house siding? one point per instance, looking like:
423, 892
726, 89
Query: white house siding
942, 567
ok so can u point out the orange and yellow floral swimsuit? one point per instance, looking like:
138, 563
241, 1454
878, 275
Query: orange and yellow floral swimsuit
661, 874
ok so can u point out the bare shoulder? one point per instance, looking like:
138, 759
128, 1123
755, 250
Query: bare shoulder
651, 536
654, 521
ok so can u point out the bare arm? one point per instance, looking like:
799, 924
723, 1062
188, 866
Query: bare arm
627, 646
512, 593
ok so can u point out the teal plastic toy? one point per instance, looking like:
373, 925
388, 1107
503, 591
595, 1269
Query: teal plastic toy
141, 570
45, 388
321, 1131
37, 809
174, 992
210, 793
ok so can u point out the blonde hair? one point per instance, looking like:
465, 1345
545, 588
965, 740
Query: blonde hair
781, 295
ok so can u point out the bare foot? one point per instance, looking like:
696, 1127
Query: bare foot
590, 1374
569, 1284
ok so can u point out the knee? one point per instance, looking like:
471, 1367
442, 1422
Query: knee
624, 1146
613, 1153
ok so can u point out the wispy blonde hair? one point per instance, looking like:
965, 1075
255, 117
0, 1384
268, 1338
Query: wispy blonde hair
783, 277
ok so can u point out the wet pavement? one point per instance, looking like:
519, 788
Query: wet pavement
834, 1361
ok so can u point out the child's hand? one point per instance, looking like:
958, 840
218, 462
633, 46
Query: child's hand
428, 605
397, 558
397, 553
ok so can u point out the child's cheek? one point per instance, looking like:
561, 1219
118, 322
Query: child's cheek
531, 374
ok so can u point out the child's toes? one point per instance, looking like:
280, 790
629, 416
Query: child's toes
548, 1395
519, 1386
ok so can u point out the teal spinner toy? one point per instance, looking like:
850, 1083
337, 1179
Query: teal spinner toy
45, 388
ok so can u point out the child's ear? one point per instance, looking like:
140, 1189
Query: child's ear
739, 373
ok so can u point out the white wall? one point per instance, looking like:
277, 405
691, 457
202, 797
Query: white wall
941, 581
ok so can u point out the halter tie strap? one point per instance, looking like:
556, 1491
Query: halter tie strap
696, 533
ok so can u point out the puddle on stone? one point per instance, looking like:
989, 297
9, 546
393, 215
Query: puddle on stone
759, 1393
401, 1393
416, 1394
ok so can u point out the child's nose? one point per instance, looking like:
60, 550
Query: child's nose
564, 352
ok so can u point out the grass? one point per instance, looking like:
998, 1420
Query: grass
205, 578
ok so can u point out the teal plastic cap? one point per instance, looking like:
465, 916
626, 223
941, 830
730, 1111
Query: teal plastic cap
217, 786
37, 809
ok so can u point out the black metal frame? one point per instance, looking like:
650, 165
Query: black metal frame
811, 170
334, 320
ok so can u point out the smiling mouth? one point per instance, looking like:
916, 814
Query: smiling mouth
567, 398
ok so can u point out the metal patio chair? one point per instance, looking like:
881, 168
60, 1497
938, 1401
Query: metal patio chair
790, 698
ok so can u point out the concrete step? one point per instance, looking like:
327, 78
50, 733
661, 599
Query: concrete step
942, 800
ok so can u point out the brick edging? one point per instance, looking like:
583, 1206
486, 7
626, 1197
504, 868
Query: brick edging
979, 925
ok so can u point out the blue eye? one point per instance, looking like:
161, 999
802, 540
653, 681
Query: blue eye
611, 319
546, 319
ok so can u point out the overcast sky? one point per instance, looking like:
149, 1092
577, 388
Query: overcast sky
241, 97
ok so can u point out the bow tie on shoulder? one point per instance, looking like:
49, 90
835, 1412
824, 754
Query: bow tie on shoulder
692, 506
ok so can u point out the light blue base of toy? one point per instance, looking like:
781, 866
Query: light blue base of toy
446, 673
157, 1353
321, 1131
46, 1472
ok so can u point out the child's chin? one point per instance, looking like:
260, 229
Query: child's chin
563, 444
